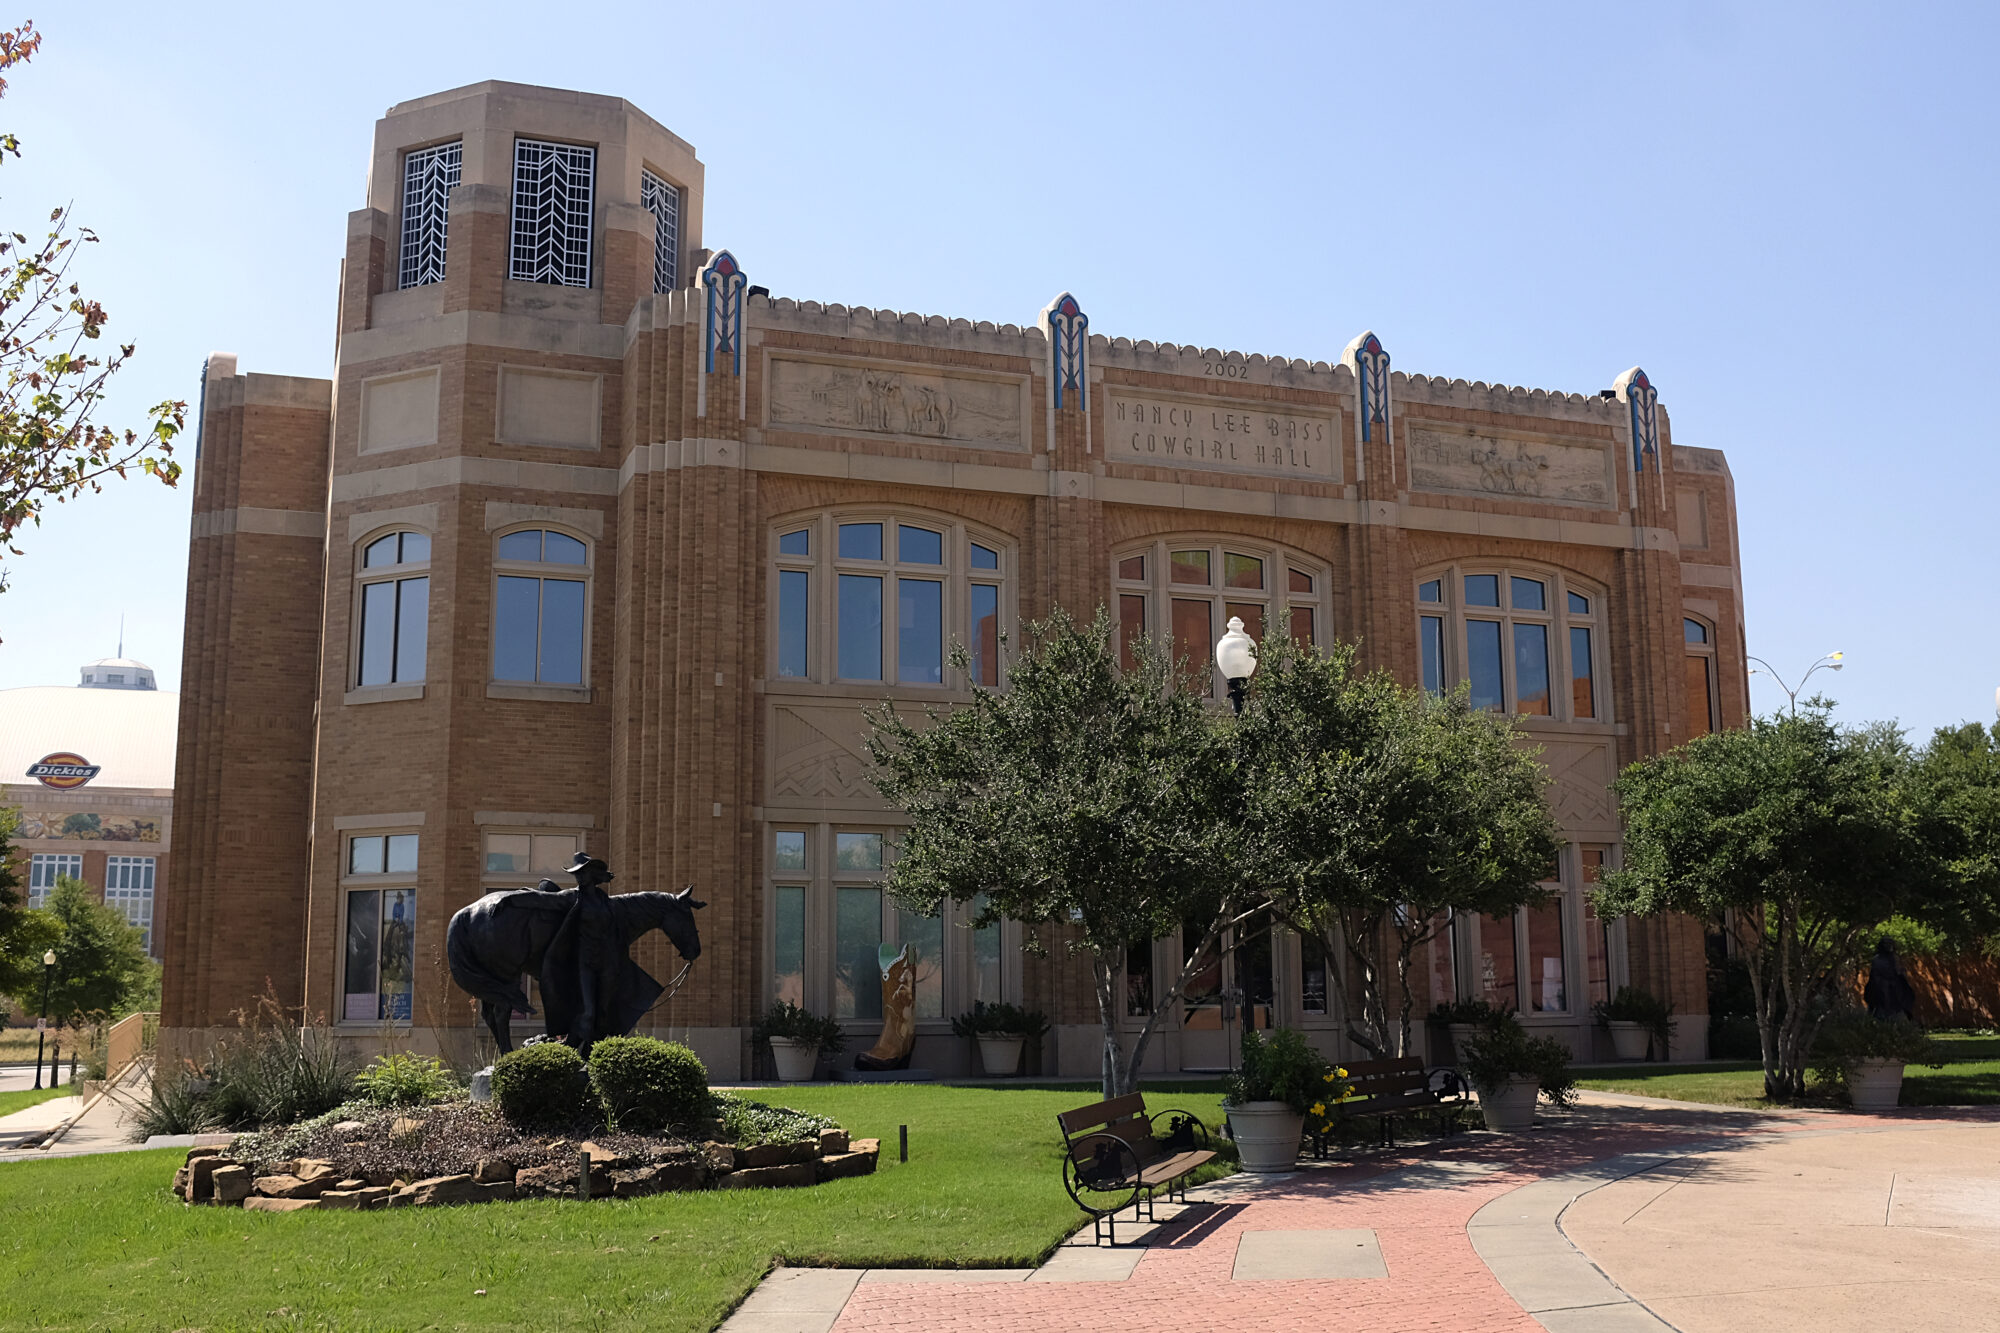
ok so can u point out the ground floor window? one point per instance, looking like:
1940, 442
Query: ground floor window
832, 924
379, 913
44, 868
1557, 957
128, 886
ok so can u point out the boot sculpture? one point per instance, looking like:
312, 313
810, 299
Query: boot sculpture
899, 1012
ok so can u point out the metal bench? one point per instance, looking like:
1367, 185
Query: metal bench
1385, 1089
1115, 1160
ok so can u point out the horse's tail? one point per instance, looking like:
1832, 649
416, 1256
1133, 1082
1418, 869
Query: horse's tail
469, 970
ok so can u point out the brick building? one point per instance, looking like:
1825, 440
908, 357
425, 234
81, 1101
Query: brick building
589, 543
90, 768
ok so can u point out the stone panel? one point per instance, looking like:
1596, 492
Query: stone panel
896, 401
1580, 774
551, 408
1222, 435
817, 752
1459, 461
399, 411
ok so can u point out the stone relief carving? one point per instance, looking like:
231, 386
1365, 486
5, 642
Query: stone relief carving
1580, 774
817, 753
1542, 470
824, 395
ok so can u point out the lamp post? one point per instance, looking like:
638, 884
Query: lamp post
1832, 661
1236, 655
42, 1028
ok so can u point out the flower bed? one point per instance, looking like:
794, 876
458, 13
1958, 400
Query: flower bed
366, 1156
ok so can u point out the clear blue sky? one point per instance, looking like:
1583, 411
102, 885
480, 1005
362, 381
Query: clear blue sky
1785, 213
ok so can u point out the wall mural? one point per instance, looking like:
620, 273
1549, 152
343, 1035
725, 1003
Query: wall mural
1468, 464
881, 400
88, 826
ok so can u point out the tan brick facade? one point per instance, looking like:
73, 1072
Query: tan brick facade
479, 406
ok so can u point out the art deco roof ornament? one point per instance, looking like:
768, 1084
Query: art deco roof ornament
722, 326
1373, 406
1068, 332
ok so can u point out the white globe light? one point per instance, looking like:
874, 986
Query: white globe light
1236, 652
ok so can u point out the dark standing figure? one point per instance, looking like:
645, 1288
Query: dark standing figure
582, 975
1888, 993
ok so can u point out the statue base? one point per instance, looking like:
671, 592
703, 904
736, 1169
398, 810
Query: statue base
884, 1076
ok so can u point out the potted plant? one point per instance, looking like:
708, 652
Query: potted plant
1001, 1029
1867, 1056
1634, 1018
798, 1038
1507, 1067
1461, 1019
1270, 1095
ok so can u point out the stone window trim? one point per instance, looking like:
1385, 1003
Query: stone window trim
540, 690
823, 566
1275, 600
1557, 613
407, 566
821, 879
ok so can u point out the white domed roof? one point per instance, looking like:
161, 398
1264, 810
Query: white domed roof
117, 673
128, 733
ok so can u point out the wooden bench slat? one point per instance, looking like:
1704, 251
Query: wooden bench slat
1102, 1113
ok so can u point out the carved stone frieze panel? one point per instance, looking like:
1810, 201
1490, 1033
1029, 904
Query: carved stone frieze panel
1220, 435
896, 401
1457, 461
1580, 774
816, 753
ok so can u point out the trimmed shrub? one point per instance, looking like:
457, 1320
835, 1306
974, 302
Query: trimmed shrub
646, 1085
541, 1086
405, 1079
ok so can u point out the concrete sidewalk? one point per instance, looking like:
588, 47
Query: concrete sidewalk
1482, 1232
102, 1124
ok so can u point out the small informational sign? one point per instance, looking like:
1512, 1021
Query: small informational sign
63, 770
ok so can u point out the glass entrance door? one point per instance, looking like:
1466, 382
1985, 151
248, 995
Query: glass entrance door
1233, 986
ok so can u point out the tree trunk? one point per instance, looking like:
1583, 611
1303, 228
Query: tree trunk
1107, 1014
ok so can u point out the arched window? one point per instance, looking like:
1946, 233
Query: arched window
541, 607
1528, 640
1700, 666
1189, 588
879, 598
392, 609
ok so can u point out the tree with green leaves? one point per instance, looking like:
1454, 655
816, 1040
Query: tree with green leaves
1802, 837
1956, 784
1083, 800
1372, 811
53, 375
100, 957
24, 935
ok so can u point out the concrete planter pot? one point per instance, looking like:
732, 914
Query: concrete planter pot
1267, 1135
1000, 1055
1629, 1040
1875, 1085
1510, 1107
796, 1060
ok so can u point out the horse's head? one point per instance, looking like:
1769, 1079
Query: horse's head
678, 922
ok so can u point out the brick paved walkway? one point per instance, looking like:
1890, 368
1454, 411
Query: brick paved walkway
1417, 1204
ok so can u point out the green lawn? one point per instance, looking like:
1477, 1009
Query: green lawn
11, 1102
100, 1243
1970, 1077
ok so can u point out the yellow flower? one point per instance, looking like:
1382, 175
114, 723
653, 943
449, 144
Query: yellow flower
1341, 1072
1319, 1108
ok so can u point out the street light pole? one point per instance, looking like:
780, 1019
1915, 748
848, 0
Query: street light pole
1236, 656
42, 1028
1832, 661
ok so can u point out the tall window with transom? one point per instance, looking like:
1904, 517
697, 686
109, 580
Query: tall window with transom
393, 609
540, 608
1528, 641
1186, 592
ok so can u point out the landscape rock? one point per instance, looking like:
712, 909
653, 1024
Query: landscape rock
496, 1191
351, 1183
231, 1183
341, 1199
545, 1182
718, 1157
295, 1187
604, 1156
870, 1146
764, 1177
776, 1154
201, 1174
202, 1152
256, 1203
446, 1190
181, 1183
842, 1165
350, 1127
832, 1140
491, 1169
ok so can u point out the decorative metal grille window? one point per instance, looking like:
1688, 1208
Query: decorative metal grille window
553, 187
663, 201
429, 175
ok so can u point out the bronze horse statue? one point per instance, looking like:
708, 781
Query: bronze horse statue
492, 943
